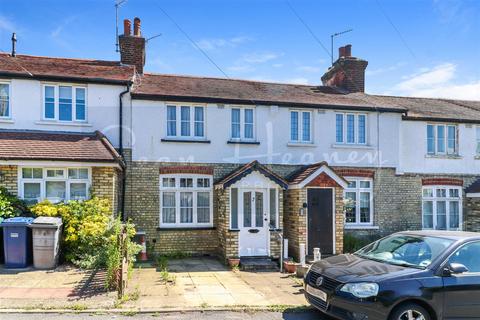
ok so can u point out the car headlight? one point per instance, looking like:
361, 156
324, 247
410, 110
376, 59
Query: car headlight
361, 289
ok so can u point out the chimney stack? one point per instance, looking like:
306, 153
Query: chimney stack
347, 72
132, 47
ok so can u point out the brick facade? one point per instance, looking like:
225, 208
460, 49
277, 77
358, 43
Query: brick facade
106, 183
9, 178
472, 214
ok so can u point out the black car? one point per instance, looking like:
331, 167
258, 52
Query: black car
418, 275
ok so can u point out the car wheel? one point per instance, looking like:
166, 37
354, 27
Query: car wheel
410, 311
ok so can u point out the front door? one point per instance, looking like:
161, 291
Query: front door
253, 237
320, 220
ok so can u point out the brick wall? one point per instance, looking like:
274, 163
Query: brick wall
472, 214
295, 225
106, 184
9, 178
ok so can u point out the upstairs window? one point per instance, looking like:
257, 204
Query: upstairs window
242, 124
442, 208
64, 103
185, 122
300, 126
350, 128
442, 139
4, 100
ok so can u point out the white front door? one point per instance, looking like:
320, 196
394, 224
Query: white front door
253, 222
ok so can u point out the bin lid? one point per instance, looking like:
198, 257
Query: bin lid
18, 221
46, 222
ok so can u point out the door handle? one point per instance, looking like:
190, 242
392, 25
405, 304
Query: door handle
253, 230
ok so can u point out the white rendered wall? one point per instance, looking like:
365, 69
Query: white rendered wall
272, 131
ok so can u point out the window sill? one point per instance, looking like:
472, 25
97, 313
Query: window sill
184, 228
361, 227
243, 142
6, 120
185, 140
62, 123
300, 144
443, 156
233, 230
352, 146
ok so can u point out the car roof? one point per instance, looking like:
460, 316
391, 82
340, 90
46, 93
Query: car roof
453, 235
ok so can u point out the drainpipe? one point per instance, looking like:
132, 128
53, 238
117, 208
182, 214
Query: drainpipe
120, 149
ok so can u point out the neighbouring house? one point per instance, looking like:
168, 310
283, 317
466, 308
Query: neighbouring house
227, 167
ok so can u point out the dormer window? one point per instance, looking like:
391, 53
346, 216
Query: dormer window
4, 100
64, 103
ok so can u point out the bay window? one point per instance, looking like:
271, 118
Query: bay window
4, 100
186, 201
358, 202
54, 184
242, 124
300, 126
442, 208
442, 139
64, 103
189, 119
350, 128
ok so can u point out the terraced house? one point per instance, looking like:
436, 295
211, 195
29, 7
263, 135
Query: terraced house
229, 167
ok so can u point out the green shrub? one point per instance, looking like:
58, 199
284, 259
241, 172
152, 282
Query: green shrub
85, 229
10, 205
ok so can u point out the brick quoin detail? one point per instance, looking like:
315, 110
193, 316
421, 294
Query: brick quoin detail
442, 181
355, 173
323, 181
186, 169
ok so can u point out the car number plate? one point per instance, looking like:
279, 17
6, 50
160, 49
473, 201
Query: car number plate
317, 293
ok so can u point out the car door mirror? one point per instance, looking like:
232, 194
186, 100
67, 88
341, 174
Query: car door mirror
456, 268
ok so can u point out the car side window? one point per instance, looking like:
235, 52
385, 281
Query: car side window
469, 256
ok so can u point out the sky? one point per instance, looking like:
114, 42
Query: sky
427, 48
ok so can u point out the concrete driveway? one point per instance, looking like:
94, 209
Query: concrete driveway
206, 283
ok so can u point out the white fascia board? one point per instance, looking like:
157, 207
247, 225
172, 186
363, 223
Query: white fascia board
47, 163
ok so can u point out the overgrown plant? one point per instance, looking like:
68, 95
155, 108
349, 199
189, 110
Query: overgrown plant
10, 205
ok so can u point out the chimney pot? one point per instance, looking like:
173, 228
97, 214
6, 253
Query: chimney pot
136, 27
127, 27
348, 50
341, 52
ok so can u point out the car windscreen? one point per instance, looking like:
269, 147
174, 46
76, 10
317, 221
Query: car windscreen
406, 250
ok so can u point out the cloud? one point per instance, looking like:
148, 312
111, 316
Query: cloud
309, 69
260, 57
437, 82
7, 25
386, 69
217, 43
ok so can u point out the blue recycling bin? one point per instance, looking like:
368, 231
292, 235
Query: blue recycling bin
17, 242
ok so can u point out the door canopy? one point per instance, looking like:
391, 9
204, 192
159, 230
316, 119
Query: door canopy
317, 174
247, 169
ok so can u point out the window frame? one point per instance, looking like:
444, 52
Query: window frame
447, 199
446, 139
56, 102
177, 190
9, 101
300, 120
192, 121
356, 130
242, 124
358, 190
43, 181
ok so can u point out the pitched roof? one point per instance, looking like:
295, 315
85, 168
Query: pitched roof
26, 66
306, 172
58, 146
248, 168
221, 90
